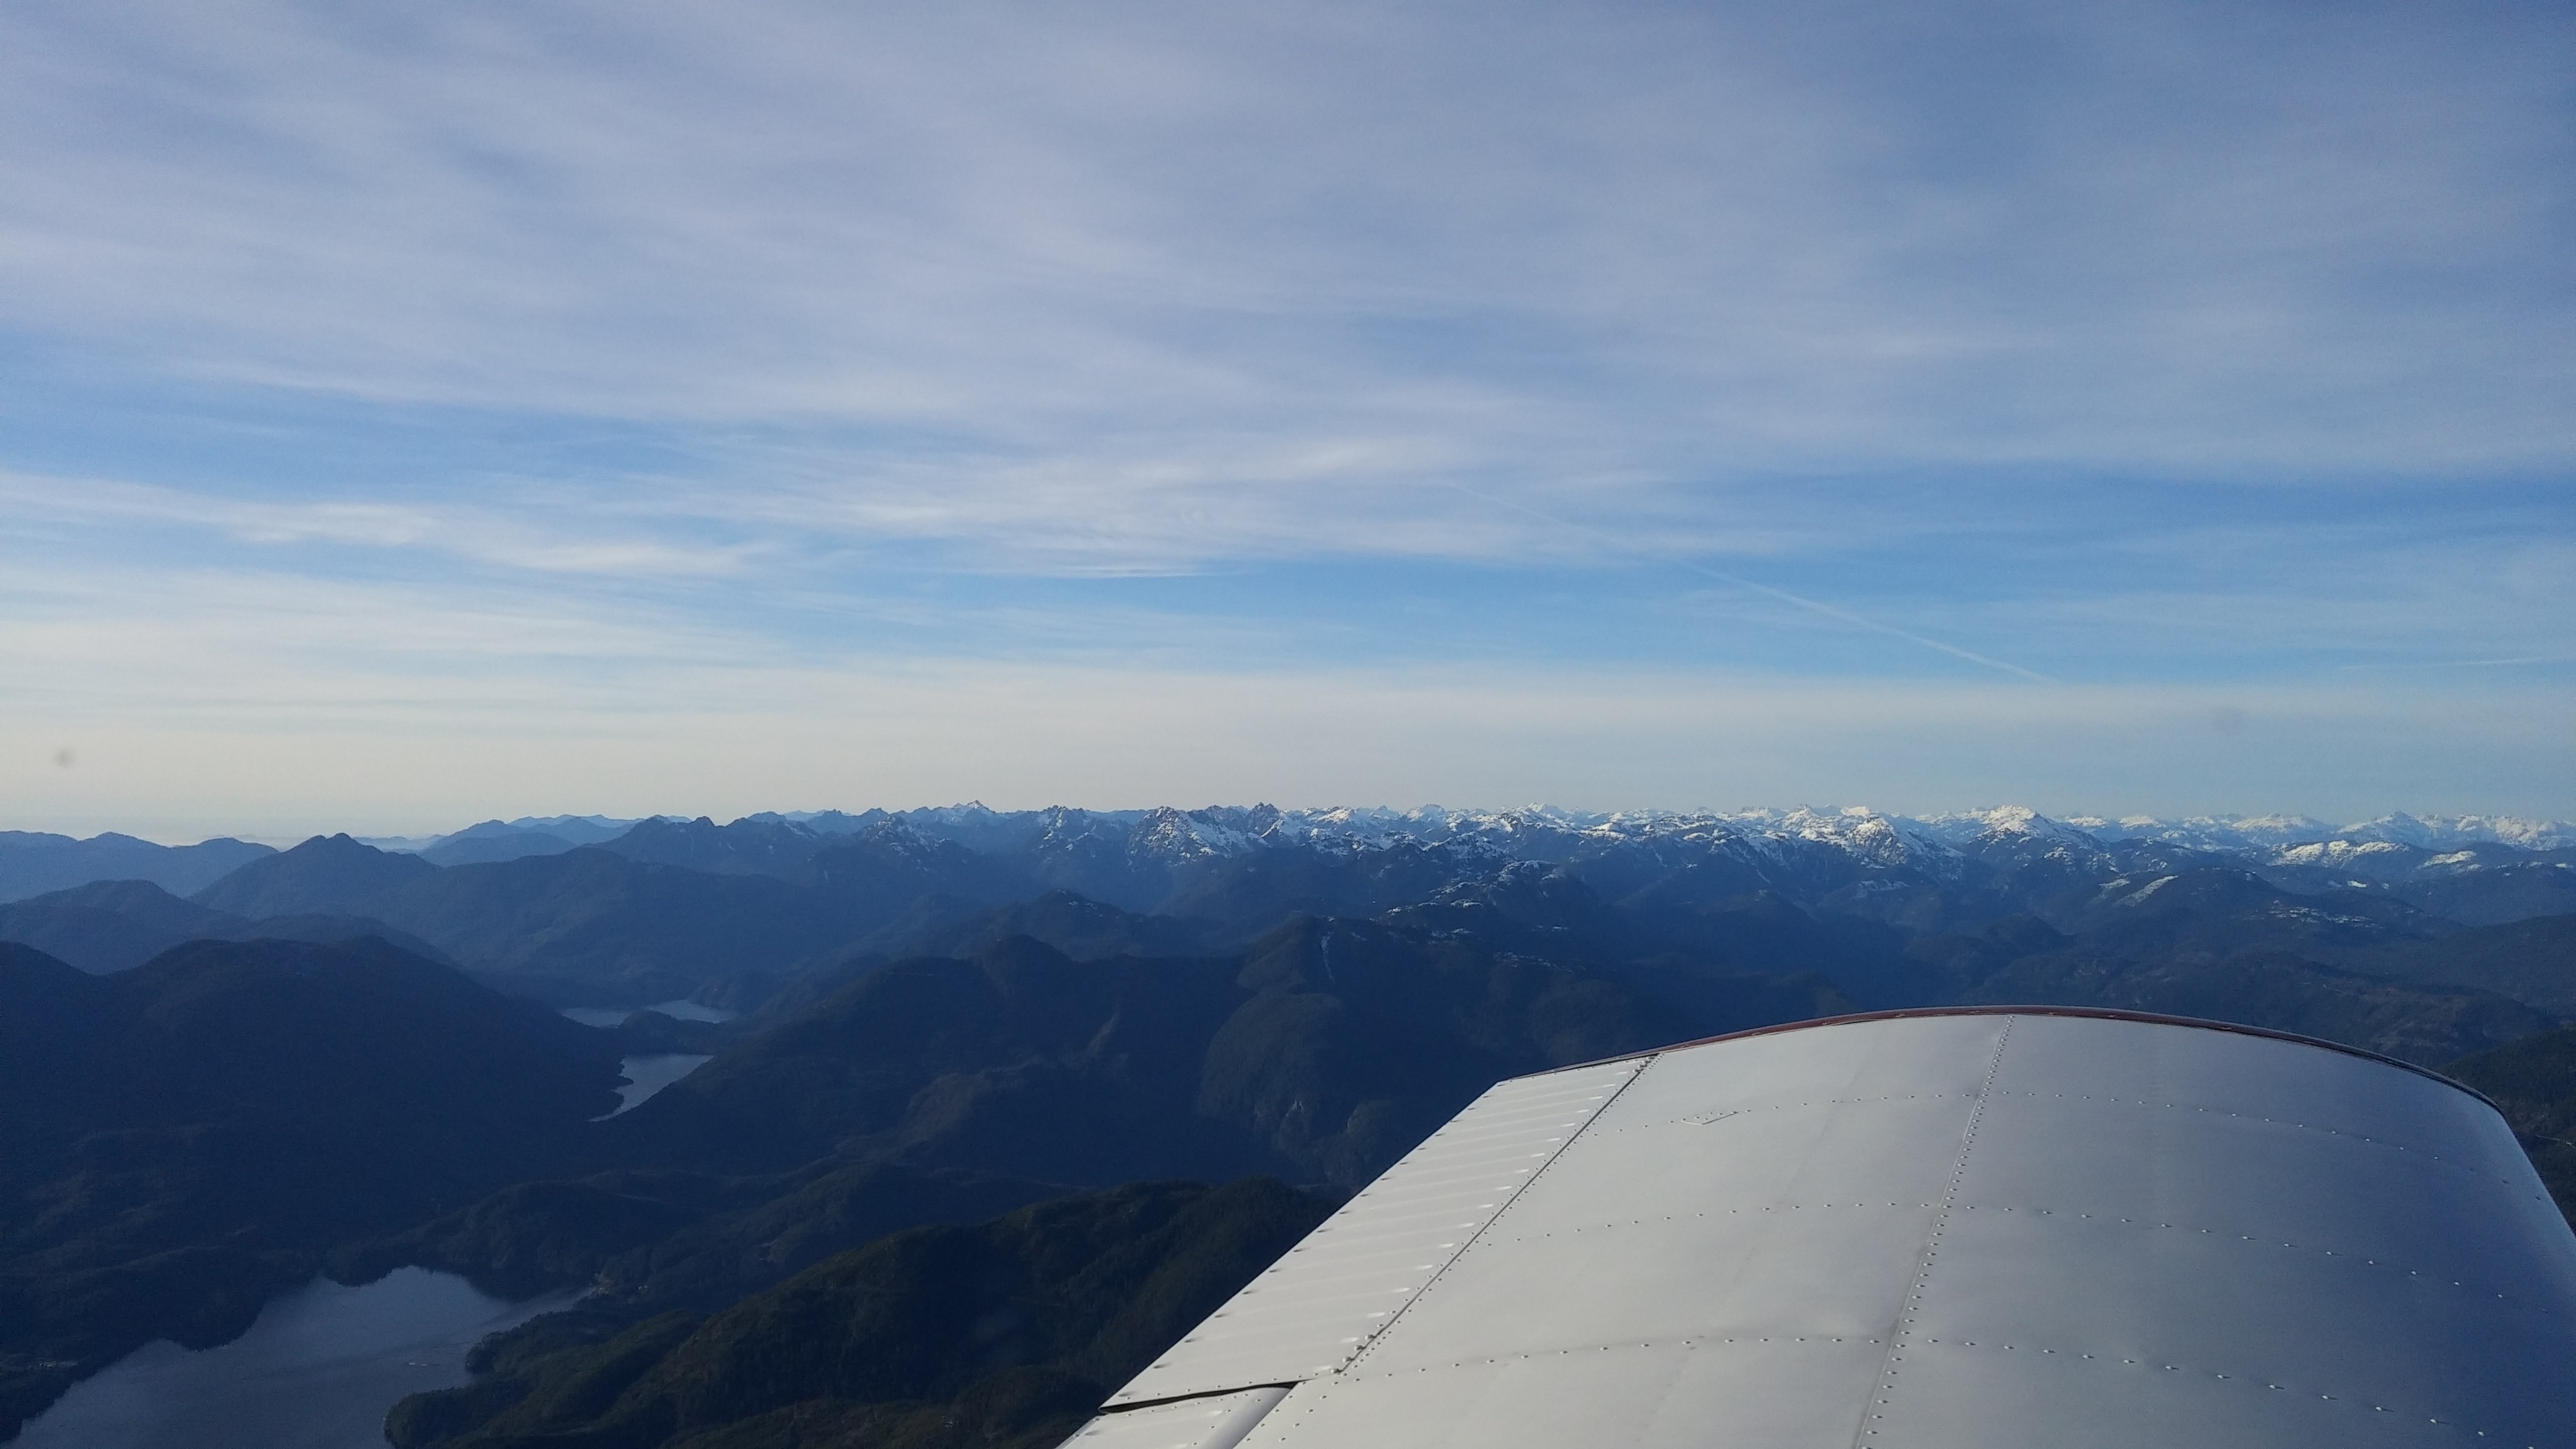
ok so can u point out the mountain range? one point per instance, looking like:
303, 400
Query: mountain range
2391, 850
969, 1047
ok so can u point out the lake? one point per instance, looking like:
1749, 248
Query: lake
647, 1075
317, 1371
323, 1363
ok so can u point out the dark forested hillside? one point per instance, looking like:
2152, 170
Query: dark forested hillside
327, 875
1007, 1333
1323, 1053
110, 925
592, 926
2528, 960
2534, 1081
180, 1140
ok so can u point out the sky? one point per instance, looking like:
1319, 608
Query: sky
415, 413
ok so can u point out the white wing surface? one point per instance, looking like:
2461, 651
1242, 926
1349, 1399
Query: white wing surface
1938, 1230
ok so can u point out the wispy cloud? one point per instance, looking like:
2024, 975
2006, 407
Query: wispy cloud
530, 362
2161, 238
481, 533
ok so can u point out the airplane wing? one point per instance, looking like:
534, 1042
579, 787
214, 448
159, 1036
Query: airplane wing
1945, 1229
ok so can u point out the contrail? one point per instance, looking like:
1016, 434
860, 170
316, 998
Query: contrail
1813, 606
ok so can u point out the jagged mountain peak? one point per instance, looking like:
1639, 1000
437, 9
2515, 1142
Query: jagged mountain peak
2005, 822
1216, 830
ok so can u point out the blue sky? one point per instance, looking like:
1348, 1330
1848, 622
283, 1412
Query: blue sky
410, 414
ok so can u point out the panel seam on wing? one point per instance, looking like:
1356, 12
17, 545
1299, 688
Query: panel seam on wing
1518, 1194
1879, 1393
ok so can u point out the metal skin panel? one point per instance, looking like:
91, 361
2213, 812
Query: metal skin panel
2225, 1241
1328, 1296
1962, 1231
1656, 1396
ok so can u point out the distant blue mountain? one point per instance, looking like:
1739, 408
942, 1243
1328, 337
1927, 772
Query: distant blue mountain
33, 864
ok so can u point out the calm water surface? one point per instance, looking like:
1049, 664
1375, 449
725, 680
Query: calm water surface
317, 1371
647, 1075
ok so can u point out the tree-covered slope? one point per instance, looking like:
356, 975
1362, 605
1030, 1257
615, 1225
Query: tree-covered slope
1324, 1052
2534, 1081
1006, 1334
111, 925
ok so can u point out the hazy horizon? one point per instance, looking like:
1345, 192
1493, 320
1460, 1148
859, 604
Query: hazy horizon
2087, 819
